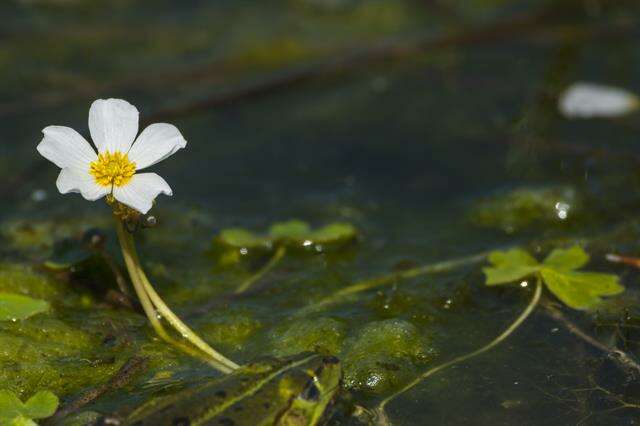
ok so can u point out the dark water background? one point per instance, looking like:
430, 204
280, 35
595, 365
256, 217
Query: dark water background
403, 118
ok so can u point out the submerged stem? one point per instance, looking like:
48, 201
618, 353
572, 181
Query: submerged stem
278, 255
153, 306
432, 268
504, 335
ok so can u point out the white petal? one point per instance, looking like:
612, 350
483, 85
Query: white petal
74, 180
113, 124
587, 100
65, 147
140, 192
155, 143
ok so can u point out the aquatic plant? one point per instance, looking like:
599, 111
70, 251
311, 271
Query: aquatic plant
15, 307
14, 412
578, 290
112, 173
280, 237
558, 272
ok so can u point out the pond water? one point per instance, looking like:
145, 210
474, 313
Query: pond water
430, 126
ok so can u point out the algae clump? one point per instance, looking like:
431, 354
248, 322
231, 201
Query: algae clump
230, 331
382, 355
21, 279
324, 335
521, 208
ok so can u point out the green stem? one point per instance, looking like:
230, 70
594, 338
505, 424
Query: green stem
129, 261
505, 334
153, 305
278, 255
147, 306
432, 268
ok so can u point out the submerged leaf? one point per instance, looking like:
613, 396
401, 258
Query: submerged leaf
581, 290
528, 207
509, 266
18, 307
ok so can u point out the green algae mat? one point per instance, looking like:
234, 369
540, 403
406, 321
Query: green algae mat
387, 212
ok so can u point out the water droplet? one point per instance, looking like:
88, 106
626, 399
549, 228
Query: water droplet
562, 210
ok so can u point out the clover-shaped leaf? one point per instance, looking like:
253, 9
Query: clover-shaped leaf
241, 238
333, 233
14, 412
294, 230
17, 307
567, 259
509, 266
293, 233
578, 290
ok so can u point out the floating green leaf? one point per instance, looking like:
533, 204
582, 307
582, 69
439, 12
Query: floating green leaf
241, 238
509, 266
578, 290
17, 306
293, 230
566, 259
333, 233
294, 233
16, 413
581, 290
41, 405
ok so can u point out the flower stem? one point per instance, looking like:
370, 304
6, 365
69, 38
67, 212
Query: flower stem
278, 255
153, 305
379, 411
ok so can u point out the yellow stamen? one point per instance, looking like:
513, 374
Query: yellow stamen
112, 169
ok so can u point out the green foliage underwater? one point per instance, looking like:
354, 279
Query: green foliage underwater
394, 185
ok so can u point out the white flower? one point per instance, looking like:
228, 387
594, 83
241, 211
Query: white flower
588, 100
113, 124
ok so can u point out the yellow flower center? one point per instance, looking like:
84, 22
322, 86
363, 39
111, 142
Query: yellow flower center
112, 169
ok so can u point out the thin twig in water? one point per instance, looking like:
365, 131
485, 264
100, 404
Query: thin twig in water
623, 359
